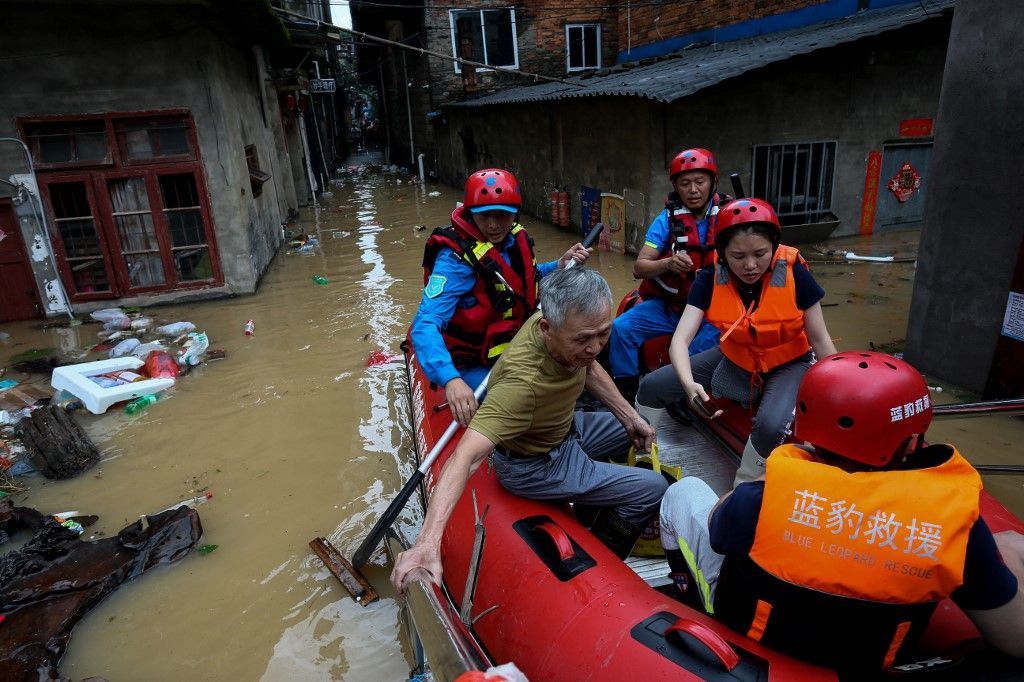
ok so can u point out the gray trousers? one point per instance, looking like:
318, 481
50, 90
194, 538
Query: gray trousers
721, 378
571, 473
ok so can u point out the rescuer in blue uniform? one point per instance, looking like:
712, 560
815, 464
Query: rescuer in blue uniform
679, 242
481, 284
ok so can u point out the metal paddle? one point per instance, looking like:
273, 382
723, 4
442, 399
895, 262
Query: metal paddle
376, 534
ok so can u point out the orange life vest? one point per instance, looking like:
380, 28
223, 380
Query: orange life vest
769, 333
847, 568
895, 536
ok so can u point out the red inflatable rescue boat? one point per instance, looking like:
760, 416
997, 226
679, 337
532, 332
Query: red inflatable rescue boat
549, 597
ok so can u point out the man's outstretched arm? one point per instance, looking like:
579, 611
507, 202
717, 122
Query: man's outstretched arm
426, 553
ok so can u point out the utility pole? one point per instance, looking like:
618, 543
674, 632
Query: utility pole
408, 108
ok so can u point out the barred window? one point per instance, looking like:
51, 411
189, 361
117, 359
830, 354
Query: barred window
795, 178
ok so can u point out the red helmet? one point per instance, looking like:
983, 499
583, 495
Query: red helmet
740, 212
492, 189
862, 406
693, 159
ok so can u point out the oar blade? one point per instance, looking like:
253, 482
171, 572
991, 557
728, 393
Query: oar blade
376, 534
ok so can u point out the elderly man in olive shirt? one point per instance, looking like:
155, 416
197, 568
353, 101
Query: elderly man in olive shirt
542, 448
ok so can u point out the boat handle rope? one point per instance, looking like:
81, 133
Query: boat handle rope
558, 536
709, 638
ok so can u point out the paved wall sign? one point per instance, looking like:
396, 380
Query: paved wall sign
1013, 318
321, 85
904, 183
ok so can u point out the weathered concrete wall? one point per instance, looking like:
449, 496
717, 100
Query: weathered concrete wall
152, 58
602, 143
967, 256
229, 123
855, 94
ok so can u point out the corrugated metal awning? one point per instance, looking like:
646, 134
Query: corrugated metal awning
692, 69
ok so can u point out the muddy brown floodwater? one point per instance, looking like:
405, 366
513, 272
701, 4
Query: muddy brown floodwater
297, 437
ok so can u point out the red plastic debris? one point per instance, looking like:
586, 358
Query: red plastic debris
379, 357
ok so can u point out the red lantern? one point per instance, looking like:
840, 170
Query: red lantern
289, 102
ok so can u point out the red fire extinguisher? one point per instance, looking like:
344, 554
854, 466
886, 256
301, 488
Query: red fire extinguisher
563, 209
554, 206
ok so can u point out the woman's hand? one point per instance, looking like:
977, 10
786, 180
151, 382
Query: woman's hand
695, 391
700, 401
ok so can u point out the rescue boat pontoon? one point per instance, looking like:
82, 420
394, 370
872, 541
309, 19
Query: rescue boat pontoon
537, 589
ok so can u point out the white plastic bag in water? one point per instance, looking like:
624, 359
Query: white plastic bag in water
107, 314
176, 328
124, 348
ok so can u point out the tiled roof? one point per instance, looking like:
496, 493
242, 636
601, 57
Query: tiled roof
691, 69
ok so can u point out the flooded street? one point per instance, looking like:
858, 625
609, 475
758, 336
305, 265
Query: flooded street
298, 437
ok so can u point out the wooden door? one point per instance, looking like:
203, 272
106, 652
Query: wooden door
19, 298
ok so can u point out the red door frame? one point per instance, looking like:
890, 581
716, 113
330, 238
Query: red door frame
149, 177
57, 242
199, 177
118, 166
13, 232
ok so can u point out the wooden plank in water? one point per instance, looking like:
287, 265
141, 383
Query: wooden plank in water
353, 582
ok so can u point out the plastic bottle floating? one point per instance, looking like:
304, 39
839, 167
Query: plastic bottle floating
140, 403
250, 327
320, 279
189, 502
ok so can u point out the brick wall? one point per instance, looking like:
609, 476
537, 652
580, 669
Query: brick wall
652, 23
540, 32
540, 38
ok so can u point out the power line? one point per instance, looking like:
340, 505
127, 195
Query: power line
350, 3
421, 50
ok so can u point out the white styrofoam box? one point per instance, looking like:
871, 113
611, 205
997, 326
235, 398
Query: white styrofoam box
75, 380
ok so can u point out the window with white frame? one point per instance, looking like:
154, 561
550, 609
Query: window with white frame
487, 36
582, 46
795, 178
